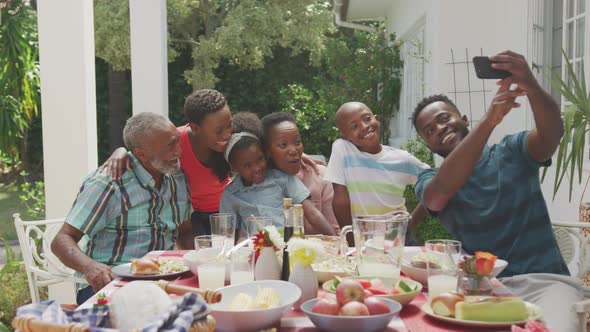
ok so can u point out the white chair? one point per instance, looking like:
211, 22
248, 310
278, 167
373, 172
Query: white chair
42, 266
575, 250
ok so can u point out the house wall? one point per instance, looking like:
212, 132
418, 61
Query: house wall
470, 28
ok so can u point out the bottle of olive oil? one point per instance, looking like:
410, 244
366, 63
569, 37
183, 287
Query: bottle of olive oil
298, 229
287, 233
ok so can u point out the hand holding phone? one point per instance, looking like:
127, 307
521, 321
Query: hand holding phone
484, 70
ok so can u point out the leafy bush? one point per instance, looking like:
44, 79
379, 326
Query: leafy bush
314, 119
430, 228
14, 287
33, 197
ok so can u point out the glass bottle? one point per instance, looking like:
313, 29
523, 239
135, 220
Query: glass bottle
298, 229
287, 233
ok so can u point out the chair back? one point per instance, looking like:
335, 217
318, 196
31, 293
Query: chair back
42, 266
574, 247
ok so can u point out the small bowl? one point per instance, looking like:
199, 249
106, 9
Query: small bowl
253, 320
330, 268
190, 260
421, 275
403, 299
332, 323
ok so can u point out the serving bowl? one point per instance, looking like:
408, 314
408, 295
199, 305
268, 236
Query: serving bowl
421, 274
340, 266
332, 323
253, 320
402, 298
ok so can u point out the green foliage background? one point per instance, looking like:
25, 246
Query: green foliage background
430, 228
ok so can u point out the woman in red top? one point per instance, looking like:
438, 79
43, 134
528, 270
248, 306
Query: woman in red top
202, 140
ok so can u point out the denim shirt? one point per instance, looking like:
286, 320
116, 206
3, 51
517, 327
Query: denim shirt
262, 199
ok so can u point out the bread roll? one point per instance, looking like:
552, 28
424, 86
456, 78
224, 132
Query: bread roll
144, 266
136, 304
444, 304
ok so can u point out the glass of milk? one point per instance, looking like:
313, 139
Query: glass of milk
242, 266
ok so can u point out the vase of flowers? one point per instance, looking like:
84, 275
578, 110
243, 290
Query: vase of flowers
477, 270
302, 253
266, 243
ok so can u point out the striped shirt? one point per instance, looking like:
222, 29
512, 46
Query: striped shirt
501, 210
375, 182
128, 218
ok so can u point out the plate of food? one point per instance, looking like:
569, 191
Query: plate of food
151, 269
462, 310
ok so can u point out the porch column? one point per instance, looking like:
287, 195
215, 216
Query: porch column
68, 102
149, 56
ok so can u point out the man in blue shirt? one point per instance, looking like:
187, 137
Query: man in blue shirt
489, 197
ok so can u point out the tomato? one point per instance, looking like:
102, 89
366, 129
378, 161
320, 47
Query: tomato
365, 283
377, 291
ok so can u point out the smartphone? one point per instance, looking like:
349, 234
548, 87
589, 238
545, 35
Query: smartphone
484, 70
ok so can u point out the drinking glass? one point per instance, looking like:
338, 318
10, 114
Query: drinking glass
443, 274
210, 261
255, 224
242, 266
224, 224
446, 250
379, 242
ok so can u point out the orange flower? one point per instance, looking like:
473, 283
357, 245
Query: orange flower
484, 263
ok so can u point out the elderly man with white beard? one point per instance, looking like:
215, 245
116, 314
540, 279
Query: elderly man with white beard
147, 209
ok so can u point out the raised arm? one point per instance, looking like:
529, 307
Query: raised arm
65, 247
544, 138
458, 165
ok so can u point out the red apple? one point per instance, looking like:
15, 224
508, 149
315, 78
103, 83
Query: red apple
354, 308
325, 307
349, 290
367, 293
376, 306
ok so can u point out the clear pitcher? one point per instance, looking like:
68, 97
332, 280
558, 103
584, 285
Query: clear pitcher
379, 242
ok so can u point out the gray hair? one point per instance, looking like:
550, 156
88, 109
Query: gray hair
141, 126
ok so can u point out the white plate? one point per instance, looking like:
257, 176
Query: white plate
124, 270
535, 312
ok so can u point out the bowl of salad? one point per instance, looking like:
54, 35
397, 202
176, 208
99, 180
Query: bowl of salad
337, 266
402, 290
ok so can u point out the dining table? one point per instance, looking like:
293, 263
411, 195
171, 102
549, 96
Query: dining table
410, 319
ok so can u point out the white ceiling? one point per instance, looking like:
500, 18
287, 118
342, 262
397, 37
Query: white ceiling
359, 10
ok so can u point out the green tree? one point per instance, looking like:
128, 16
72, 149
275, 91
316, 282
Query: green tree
19, 76
364, 67
237, 34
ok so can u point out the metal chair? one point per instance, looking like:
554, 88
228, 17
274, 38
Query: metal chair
575, 249
42, 266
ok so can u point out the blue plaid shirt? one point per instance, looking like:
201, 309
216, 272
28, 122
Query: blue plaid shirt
126, 219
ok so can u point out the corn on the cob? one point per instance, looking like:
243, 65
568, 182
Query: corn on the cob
241, 302
266, 298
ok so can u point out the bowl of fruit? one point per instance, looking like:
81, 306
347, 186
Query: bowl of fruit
402, 290
351, 310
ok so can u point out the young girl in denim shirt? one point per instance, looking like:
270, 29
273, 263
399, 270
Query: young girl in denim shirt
257, 191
